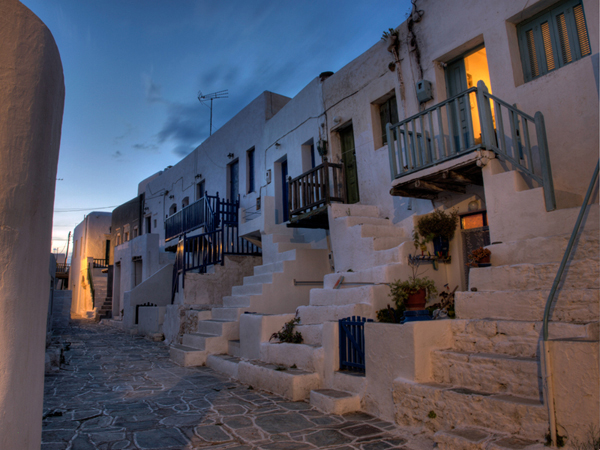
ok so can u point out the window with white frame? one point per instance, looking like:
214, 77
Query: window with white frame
553, 38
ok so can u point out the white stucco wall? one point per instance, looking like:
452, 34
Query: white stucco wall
89, 241
31, 107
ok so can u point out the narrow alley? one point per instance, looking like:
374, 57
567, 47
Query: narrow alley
117, 391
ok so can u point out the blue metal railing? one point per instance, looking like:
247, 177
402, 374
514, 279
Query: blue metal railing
465, 123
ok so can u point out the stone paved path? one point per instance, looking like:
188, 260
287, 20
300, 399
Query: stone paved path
117, 391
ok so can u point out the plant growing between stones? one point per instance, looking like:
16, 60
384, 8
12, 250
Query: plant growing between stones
432, 415
592, 442
287, 333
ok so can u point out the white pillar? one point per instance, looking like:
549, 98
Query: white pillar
31, 108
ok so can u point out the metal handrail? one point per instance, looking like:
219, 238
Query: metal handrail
563, 263
548, 387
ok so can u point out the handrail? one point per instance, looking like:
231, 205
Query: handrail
563, 263
548, 386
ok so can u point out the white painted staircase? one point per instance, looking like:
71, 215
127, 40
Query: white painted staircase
486, 389
270, 290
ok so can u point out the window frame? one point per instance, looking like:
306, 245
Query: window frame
534, 25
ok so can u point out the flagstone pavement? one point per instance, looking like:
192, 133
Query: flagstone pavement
117, 391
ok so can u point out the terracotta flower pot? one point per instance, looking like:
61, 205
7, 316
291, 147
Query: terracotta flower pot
416, 301
484, 260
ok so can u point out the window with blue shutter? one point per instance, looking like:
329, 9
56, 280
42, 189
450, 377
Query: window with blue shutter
553, 38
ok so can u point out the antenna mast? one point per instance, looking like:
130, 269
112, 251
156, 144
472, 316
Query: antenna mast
214, 96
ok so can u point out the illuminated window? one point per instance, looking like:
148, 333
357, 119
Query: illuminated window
476, 220
553, 38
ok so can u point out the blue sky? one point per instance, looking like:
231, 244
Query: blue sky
133, 70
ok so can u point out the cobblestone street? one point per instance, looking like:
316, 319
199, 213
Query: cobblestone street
116, 391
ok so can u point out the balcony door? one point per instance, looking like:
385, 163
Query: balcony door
349, 162
462, 74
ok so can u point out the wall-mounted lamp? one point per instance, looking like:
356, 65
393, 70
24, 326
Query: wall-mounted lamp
277, 145
230, 155
199, 175
171, 197
337, 119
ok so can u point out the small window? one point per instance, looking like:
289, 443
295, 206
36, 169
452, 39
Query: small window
388, 113
173, 209
135, 232
250, 168
553, 38
185, 202
148, 224
126, 236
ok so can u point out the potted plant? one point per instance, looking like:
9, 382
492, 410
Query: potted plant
441, 225
413, 293
479, 257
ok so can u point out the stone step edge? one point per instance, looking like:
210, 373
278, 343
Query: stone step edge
481, 438
333, 401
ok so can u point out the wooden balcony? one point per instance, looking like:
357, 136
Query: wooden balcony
442, 148
310, 193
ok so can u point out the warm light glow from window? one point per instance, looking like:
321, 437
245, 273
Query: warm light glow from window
476, 67
472, 221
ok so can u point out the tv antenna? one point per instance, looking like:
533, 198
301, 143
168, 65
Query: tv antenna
214, 96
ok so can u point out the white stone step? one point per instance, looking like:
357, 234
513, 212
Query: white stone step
577, 275
236, 301
293, 384
462, 439
377, 275
285, 246
332, 401
311, 334
225, 328
303, 356
351, 221
386, 243
311, 315
439, 407
545, 249
361, 294
512, 338
268, 268
487, 372
187, 356
226, 313
210, 343
247, 289
277, 238
569, 305
225, 364
259, 279
233, 348
377, 231
342, 210
480, 439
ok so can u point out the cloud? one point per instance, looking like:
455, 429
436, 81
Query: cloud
128, 130
117, 154
151, 148
183, 150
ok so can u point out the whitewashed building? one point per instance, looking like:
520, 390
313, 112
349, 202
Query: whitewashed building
489, 109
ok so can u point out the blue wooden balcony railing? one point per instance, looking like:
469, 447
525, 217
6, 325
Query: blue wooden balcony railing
201, 213
465, 123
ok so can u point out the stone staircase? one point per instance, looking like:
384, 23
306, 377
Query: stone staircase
486, 389
296, 371
270, 290
102, 302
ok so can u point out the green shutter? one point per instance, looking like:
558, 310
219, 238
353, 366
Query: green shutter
553, 38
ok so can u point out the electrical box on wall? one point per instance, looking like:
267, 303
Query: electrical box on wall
424, 92
268, 176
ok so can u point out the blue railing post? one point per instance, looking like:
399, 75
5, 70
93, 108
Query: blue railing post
548, 183
485, 116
